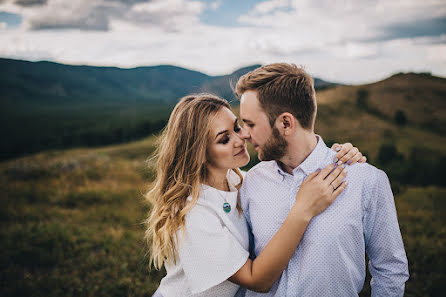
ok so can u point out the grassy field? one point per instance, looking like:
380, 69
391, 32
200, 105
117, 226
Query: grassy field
72, 225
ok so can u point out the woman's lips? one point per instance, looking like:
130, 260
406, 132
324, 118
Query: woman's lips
241, 152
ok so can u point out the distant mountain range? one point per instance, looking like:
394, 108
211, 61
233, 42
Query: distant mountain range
53, 83
45, 105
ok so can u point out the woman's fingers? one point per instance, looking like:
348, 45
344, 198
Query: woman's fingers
345, 148
326, 171
351, 157
336, 146
347, 153
339, 190
333, 175
356, 158
319, 189
338, 180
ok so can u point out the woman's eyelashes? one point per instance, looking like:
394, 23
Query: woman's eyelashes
225, 139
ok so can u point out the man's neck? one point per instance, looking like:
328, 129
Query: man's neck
299, 148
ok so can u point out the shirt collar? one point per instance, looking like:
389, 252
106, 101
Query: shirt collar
312, 162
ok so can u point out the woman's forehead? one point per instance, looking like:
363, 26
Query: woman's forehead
224, 119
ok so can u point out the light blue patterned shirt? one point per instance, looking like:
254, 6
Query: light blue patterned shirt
330, 259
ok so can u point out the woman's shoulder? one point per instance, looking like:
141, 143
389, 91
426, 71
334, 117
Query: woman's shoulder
203, 214
202, 222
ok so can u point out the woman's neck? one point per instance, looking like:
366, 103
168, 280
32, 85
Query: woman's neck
217, 179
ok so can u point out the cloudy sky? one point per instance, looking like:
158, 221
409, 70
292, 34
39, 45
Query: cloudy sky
350, 41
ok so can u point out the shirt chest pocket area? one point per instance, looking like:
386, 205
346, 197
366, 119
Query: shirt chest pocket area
267, 219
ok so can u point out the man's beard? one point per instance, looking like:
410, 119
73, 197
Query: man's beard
274, 148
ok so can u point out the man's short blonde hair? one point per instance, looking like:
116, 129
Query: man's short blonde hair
282, 87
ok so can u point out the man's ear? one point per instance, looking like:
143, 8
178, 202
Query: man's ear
286, 123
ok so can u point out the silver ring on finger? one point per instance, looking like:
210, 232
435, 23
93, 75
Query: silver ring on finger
333, 187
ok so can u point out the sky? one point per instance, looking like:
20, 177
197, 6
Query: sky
346, 41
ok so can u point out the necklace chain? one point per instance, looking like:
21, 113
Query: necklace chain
226, 205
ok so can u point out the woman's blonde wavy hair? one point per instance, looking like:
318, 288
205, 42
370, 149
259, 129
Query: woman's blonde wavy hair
181, 158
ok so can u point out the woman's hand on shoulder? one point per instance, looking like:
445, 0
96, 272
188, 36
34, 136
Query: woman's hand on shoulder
347, 154
319, 190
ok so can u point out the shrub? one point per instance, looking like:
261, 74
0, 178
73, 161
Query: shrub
400, 118
362, 98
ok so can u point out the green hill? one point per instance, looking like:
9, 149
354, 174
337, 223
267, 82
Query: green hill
51, 83
48, 105
24, 84
45, 105
418, 99
399, 123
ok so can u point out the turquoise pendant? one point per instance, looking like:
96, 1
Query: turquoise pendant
226, 207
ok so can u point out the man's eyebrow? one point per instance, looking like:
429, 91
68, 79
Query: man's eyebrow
246, 121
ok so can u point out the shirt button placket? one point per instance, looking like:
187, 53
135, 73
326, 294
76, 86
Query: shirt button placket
295, 183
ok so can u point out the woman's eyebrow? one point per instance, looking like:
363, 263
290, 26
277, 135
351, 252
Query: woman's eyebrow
221, 132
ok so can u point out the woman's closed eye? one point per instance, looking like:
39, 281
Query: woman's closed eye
224, 139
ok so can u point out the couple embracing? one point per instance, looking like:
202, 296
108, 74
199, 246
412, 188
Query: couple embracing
299, 223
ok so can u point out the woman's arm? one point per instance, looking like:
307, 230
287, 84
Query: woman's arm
316, 193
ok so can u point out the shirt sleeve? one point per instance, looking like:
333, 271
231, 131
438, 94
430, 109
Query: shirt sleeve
384, 245
209, 253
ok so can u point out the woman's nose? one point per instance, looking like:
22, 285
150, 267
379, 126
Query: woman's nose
239, 140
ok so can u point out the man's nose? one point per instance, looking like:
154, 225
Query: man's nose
244, 133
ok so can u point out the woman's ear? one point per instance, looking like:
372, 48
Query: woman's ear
286, 123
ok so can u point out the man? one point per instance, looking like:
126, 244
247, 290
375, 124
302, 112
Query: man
278, 107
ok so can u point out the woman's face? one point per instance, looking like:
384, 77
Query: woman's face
226, 150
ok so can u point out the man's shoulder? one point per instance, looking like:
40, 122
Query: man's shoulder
366, 174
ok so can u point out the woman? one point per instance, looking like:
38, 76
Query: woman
197, 228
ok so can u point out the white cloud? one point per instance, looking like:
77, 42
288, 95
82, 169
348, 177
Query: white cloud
271, 5
436, 54
215, 5
171, 14
328, 37
98, 14
354, 50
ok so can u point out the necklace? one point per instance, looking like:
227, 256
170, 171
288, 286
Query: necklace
226, 205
